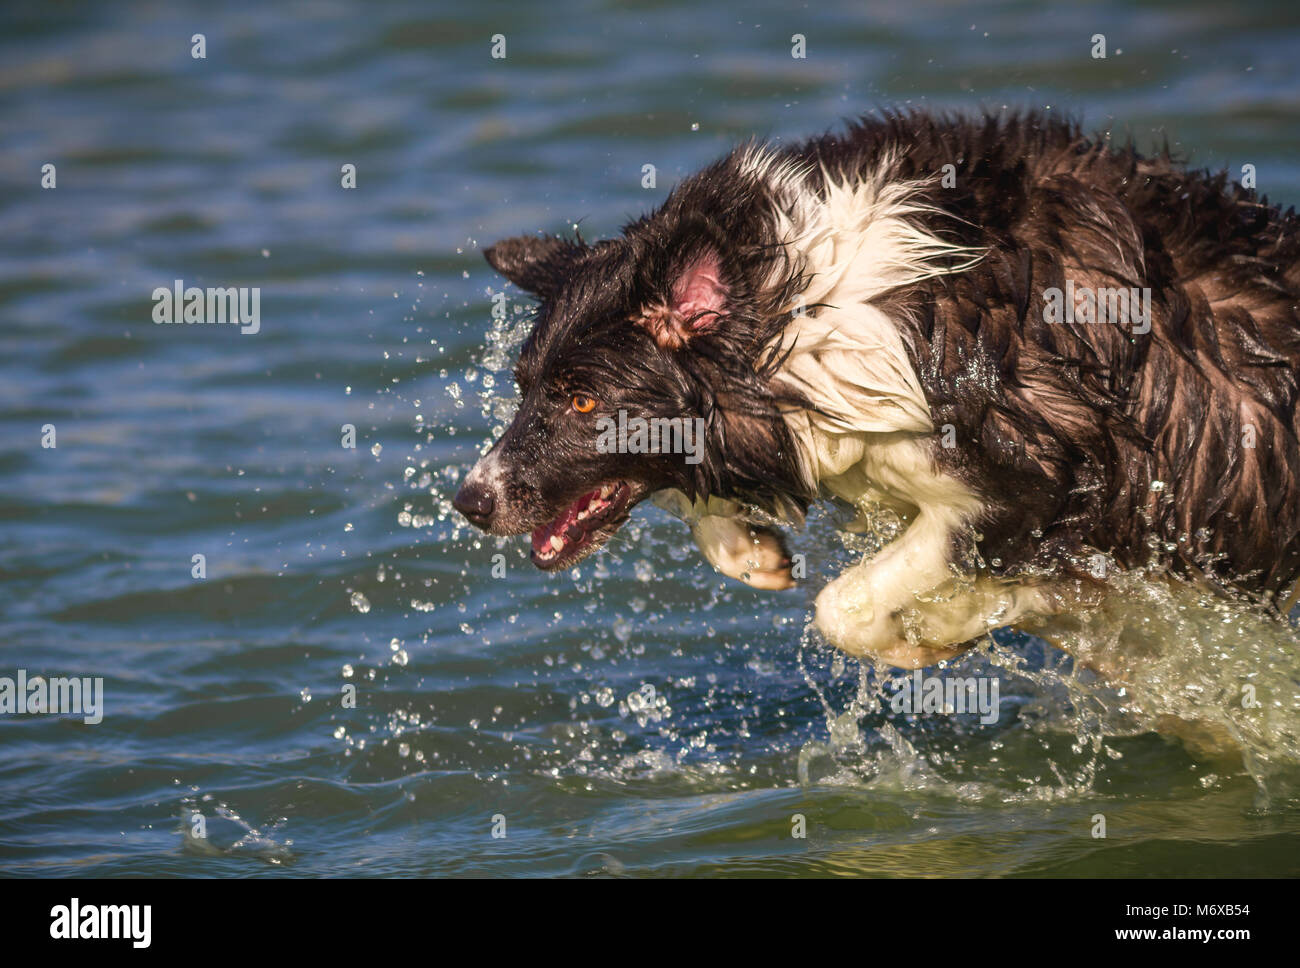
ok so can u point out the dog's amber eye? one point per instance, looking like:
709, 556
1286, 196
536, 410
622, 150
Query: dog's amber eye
583, 404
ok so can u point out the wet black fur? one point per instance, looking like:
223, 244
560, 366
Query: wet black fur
1063, 429
584, 342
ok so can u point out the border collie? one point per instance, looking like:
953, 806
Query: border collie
1037, 349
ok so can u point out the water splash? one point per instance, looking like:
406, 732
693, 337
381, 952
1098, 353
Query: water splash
1158, 655
213, 829
1221, 675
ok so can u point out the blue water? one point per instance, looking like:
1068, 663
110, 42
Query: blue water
641, 716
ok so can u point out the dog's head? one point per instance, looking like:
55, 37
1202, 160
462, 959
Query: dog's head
658, 329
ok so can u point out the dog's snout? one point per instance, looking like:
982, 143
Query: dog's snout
475, 502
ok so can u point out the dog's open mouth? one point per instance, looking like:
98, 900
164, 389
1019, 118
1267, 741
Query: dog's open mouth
581, 527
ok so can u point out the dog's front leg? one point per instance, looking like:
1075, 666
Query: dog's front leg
740, 549
867, 609
907, 607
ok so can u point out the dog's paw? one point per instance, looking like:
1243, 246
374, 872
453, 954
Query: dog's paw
768, 561
752, 553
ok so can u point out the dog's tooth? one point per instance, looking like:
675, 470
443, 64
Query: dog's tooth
557, 542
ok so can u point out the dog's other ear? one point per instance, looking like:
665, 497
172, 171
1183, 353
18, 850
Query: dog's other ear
697, 302
533, 263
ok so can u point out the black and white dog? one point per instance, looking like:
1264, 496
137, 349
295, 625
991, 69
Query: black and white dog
1033, 347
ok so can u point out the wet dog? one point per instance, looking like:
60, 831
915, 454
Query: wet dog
1047, 356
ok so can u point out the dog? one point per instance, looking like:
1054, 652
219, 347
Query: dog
1042, 352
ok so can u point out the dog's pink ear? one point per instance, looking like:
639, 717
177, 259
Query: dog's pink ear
697, 304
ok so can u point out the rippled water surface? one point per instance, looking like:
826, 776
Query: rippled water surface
640, 715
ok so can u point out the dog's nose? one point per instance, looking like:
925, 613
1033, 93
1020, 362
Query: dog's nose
475, 502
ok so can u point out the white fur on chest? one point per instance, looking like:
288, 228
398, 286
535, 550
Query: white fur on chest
868, 436
870, 422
